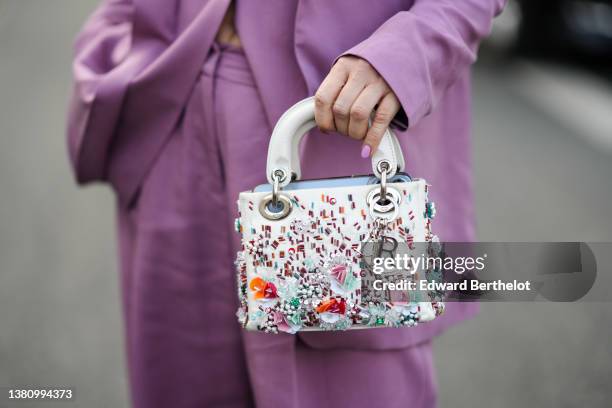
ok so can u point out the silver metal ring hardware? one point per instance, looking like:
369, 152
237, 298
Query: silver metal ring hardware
393, 198
383, 185
276, 206
270, 213
386, 209
385, 202
388, 215
278, 176
384, 168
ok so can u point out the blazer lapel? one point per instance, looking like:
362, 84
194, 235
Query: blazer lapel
156, 96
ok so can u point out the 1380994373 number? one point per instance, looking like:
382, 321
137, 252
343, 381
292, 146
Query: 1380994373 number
39, 393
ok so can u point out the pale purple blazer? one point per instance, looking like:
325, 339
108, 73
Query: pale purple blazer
137, 61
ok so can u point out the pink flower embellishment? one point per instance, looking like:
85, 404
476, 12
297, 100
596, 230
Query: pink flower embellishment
283, 324
339, 273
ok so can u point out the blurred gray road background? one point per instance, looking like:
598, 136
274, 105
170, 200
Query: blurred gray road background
542, 130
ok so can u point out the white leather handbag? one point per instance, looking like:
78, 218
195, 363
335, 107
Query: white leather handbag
300, 267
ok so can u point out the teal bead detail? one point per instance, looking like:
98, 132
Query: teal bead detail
430, 210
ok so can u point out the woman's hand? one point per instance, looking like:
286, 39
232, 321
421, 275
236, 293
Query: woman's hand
346, 99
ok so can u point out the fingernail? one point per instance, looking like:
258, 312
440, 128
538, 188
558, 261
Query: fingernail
365, 151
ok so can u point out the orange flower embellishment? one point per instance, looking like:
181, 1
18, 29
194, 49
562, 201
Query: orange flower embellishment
263, 289
332, 305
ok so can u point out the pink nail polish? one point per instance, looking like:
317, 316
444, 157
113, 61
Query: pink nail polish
365, 151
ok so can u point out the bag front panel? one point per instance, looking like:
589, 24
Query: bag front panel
304, 272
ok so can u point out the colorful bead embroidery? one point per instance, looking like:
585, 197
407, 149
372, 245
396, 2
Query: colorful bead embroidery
305, 273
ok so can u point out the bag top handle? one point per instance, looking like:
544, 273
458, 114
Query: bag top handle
283, 151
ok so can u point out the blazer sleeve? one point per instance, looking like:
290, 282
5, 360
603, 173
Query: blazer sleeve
422, 51
100, 77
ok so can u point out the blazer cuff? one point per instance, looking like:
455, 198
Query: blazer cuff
405, 76
410, 111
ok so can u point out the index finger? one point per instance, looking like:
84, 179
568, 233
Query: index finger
387, 109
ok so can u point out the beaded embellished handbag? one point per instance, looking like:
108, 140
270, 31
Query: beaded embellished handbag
301, 265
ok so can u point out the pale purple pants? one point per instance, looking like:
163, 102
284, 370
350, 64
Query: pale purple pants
185, 347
